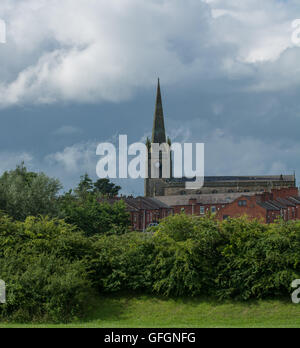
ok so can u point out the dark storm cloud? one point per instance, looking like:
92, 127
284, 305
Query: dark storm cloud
76, 73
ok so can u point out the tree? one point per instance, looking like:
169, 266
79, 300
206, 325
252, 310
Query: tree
106, 188
24, 193
85, 186
94, 217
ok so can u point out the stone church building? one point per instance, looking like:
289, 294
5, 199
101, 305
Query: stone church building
213, 185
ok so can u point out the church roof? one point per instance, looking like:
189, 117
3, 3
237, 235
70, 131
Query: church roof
216, 198
208, 179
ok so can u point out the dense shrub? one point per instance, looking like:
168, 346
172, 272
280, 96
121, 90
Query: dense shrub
189, 256
123, 262
44, 288
93, 217
258, 260
185, 263
51, 267
44, 265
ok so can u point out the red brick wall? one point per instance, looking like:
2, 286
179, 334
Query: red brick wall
278, 193
252, 209
285, 192
195, 208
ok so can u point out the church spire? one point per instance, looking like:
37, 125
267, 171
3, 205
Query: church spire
159, 133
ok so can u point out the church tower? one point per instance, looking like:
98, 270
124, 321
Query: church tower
154, 185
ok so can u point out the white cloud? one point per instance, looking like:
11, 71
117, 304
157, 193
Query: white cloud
74, 159
99, 50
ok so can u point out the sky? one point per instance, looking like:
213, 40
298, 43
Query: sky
77, 73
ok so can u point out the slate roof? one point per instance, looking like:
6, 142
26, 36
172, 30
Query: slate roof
286, 202
216, 198
209, 179
139, 203
268, 206
295, 200
146, 203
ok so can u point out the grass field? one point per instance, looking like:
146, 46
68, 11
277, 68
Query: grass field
153, 312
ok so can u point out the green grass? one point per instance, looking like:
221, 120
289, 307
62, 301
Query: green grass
153, 312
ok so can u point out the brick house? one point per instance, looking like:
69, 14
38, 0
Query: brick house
265, 206
199, 204
144, 211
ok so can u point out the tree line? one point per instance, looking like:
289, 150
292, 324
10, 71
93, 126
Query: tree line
55, 262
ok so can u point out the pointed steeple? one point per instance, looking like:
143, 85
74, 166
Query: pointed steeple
159, 133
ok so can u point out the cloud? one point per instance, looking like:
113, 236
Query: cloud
9, 160
91, 51
67, 130
229, 154
77, 158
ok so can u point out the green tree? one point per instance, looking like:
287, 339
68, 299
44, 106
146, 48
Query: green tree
106, 188
85, 186
94, 217
26, 193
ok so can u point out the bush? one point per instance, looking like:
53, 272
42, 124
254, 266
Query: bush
44, 288
51, 268
191, 256
123, 262
45, 266
185, 263
93, 217
259, 260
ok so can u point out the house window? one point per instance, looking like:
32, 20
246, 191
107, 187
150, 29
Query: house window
213, 209
226, 217
242, 203
202, 210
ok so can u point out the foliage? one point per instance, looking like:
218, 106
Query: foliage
106, 188
51, 267
190, 256
44, 263
24, 193
259, 260
84, 187
102, 187
185, 263
95, 217
123, 262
